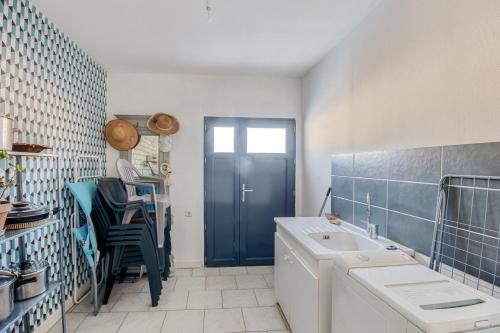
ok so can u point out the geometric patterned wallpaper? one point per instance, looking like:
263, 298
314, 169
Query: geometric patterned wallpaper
56, 95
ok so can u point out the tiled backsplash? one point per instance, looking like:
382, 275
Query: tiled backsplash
403, 186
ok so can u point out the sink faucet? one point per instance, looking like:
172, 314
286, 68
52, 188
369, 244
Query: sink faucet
371, 228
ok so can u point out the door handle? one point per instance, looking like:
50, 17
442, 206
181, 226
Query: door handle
244, 191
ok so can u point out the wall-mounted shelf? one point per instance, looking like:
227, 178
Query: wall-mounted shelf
13, 234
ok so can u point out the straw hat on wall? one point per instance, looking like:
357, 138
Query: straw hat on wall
163, 123
121, 134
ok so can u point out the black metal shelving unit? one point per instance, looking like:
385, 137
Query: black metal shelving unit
23, 309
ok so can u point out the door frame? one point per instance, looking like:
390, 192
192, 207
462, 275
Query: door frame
237, 138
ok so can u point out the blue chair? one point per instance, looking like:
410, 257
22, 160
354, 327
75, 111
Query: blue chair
84, 193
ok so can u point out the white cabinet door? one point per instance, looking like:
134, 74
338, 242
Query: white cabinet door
283, 275
413, 329
304, 312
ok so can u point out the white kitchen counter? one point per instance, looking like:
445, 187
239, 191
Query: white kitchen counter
300, 227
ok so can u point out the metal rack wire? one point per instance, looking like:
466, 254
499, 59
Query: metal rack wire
466, 244
85, 167
23, 310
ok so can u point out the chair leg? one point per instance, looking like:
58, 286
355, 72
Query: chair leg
110, 276
94, 288
141, 272
123, 273
167, 250
154, 265
154, 277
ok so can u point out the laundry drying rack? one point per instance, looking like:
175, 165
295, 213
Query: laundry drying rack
85, 167
466, 243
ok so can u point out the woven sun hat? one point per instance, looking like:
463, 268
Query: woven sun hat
121, 134
163, 123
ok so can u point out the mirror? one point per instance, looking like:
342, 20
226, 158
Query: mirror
145, 155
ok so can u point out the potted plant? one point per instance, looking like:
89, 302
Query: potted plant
5, 184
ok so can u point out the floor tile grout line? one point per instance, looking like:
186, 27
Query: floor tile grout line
117, 300
203, 322
256, 298
164, 321
243, 319
121, 324
80, 323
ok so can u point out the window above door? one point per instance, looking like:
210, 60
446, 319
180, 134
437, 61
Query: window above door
266, 140
224, 139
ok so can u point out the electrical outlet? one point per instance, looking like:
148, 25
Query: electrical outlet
188, 213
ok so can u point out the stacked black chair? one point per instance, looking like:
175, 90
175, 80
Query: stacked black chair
165, 252
129, 245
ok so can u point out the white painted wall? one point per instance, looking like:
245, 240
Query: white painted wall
412, 74
190, 98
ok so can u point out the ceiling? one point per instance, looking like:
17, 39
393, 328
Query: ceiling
272, 37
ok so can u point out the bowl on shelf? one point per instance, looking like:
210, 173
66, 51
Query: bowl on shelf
28, 147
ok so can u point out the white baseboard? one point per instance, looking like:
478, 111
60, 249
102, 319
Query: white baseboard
188, 264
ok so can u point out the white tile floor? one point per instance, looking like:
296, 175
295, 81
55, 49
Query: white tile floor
207, 300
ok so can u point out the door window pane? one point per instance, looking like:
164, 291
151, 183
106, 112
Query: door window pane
223, 139
266, 140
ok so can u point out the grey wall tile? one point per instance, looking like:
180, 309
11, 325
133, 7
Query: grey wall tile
342, 164
449, 236
376, 188
475, 159
371, 164
467, 206
472, 208
343, 209
485, 276
489, 252
453, 197
414, 233
474, 248
419, 165
413, 198
378, 217
488, 265
342, 187
463, 248
472, 270
493, 213
497, 278
459, 265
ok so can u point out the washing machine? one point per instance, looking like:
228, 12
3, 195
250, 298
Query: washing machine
389, 292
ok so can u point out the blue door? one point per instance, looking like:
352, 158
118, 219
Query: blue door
249, 180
